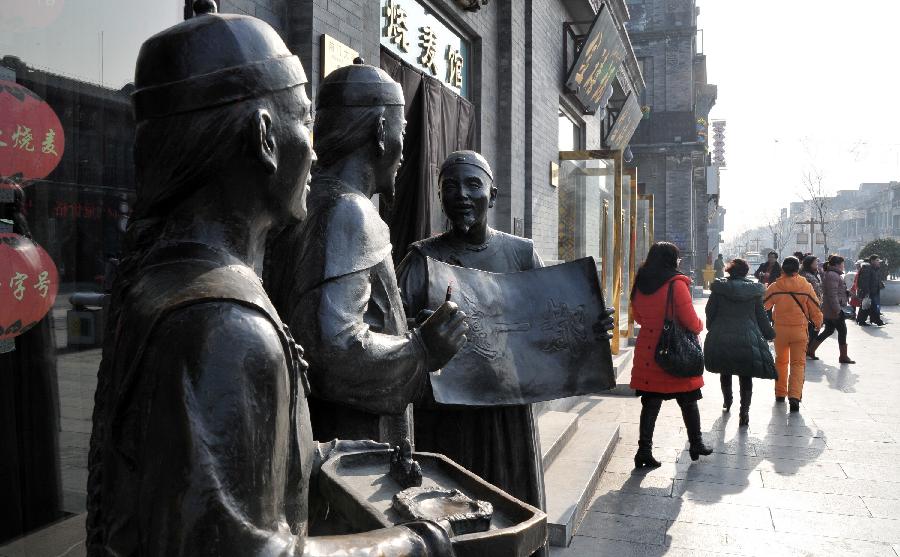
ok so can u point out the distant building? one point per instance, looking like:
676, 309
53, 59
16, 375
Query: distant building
671, 144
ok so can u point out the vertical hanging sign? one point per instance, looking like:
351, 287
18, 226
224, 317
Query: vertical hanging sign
598, 61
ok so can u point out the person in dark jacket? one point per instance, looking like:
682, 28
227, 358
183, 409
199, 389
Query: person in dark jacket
719, 266
834, 299
652, 284
767, 272
869, 285
739, 329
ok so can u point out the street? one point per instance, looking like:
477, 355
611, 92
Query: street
825, 481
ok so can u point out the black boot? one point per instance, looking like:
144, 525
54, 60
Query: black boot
746, 396
795, 404
691, 415
727, 396
649, 411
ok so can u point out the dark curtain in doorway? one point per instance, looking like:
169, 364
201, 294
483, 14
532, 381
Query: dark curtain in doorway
438, 122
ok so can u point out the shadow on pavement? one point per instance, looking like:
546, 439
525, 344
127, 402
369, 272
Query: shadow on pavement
838, 378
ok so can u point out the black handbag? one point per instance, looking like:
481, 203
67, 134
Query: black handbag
678, 351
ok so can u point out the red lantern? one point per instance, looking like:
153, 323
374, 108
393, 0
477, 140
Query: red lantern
28, 284
31, 136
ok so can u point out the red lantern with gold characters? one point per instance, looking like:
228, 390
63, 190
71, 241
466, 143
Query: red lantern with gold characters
31, 136
28, 284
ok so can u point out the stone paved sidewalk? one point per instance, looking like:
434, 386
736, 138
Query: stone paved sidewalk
825, 481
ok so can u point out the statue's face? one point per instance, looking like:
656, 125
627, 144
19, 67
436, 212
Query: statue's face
296, 154
467, 192
390, 161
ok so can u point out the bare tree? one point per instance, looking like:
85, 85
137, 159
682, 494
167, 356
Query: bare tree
819, 202
781, 230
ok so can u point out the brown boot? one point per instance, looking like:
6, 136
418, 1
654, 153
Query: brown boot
844, 359
811, 348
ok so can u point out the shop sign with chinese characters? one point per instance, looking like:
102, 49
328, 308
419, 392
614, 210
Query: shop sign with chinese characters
31, 135
598, 61
625, 125
411, 31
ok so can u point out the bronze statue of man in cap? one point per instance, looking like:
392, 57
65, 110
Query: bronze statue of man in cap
332, 277
201, 441
500, 444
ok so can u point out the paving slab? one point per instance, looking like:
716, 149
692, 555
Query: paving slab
824, 481
851, 527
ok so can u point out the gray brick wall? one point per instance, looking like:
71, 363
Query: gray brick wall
273, 12
516, 77
544, 80
663, 34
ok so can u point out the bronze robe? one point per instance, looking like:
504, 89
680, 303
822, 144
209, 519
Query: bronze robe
332, 279
499, 444
201, 442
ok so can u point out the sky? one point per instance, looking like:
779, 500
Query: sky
803, 85
92, 40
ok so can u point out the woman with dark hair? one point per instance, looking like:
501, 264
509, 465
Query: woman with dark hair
739, 331
833, 301
795, 307
809, 270
655, 279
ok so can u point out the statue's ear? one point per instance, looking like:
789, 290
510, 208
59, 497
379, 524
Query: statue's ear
493, 196
380, 134
262, 140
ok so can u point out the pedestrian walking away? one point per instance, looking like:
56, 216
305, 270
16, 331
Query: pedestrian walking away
809, 269
869, 286
739, 331
794, 309
653, 384
835, 309
769, 271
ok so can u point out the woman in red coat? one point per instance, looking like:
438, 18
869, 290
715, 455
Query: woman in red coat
651, 382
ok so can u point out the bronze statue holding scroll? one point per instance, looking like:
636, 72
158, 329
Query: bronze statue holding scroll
498, 443
201, 442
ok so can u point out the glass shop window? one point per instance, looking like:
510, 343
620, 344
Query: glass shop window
66, 191
570, 132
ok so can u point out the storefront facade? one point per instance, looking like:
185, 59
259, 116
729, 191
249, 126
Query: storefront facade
494, 76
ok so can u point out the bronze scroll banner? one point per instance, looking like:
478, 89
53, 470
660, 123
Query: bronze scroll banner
531, 334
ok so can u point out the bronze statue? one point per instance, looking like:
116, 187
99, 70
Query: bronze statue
332, 277
201, 442
499, 444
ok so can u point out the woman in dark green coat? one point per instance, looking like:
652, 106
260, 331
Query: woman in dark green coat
739, 331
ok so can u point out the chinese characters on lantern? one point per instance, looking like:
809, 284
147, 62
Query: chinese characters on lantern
18, 285
42, 285
23, 139
48, 147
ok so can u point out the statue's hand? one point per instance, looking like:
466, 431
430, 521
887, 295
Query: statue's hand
443, 333
423, 316
606, 324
